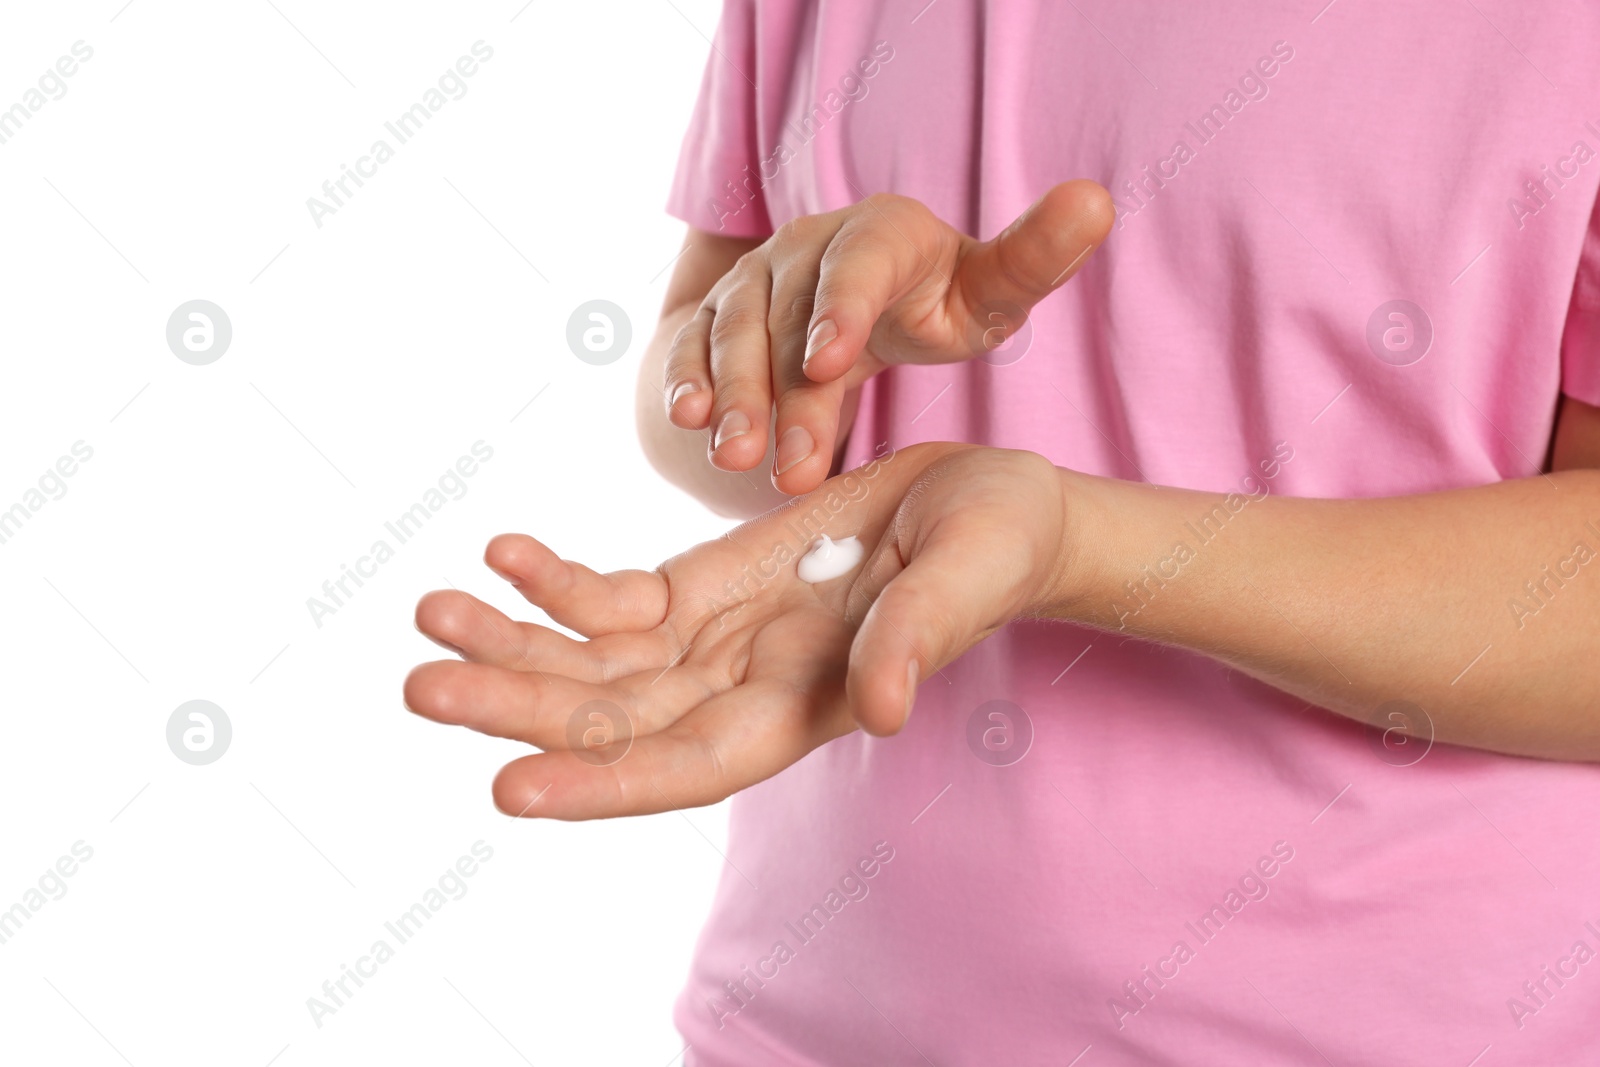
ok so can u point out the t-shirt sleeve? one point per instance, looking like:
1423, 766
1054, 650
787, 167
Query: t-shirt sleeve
716, 186
1580, 345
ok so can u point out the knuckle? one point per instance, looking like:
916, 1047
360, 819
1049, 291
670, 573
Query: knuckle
753, 264
1013, 274
740, 392
865, 241
736, 323
795, 312
686, 342
881, 206
798, 230
1035, 464
802, 402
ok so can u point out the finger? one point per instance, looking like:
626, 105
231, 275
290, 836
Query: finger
953, 593
878, 256
544, 709
574, 596
495, 701
741, 375
807, 430
686, 385
807, 412
481, 633
729, 743
1045, 246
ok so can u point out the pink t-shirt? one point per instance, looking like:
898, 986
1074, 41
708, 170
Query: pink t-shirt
1355, 258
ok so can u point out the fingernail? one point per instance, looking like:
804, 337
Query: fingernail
733, 424
794, 446
911, 686
679, 391
820, 335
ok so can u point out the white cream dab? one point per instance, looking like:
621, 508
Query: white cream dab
831, 559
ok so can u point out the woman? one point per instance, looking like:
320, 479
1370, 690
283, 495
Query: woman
1242, 585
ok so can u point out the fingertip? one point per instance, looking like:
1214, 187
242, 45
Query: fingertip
517, 791
516, 557
880, 719
799, 462
881, 694
807, 436
689, 406
426, 691
1091, 205
438, 617
830, 353
913, 673
502, 550
733, 461
735, 444
828, 366
824, 331
429, 609
800, 481
803, 479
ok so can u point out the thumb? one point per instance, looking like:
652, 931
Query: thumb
1045, 246
953, 594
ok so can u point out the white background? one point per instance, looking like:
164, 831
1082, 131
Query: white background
367, 356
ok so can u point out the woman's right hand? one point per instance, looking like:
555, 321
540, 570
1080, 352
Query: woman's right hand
830, 300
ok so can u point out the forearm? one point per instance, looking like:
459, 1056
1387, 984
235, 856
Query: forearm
1481, 606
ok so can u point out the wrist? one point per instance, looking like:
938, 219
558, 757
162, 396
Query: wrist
1075, 588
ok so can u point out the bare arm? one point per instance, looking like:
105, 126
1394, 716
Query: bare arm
1481, 606
1350, 604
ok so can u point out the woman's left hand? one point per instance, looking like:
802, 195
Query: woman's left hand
721, 667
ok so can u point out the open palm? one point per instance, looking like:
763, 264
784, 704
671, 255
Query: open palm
722, 667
